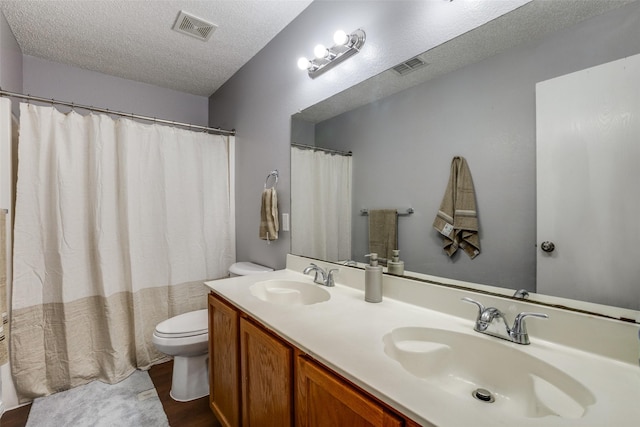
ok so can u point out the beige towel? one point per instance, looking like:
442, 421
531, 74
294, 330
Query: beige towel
269, 226
457, 219
383, 232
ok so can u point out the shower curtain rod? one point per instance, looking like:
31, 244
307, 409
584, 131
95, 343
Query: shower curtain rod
326, 150
73, 105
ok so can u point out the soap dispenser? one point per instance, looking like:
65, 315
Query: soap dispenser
395, 266
373, 279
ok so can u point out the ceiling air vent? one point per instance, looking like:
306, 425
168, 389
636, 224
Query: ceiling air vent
409, 66
194, 27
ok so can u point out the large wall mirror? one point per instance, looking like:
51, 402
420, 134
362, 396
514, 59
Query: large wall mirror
395, 135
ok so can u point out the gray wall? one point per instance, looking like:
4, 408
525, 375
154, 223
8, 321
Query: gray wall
67, 83
10, 61
303, 132
259, 99
403, 146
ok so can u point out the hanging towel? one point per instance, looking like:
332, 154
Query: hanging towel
269, 215
457, 219
383, 232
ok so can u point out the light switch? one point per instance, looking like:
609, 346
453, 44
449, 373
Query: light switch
285, 222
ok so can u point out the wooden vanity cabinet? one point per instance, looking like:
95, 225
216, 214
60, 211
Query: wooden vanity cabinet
258, 379
250, 371
324, 400
224, 357
266, 364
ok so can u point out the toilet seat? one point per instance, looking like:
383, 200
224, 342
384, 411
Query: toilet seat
189, 324
186, 338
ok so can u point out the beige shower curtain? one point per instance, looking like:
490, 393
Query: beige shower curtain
4, 349
117, 224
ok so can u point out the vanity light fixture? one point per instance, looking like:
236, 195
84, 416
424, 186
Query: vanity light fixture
345, 46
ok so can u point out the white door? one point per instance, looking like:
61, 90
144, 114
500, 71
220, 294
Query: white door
588, 184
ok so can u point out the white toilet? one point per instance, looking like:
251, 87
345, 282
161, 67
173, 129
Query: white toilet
186, 338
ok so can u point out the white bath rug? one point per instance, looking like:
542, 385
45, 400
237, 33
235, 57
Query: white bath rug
132, 402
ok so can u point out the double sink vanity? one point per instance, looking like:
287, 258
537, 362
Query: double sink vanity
287, 351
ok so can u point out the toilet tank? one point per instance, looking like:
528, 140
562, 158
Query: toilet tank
247, 268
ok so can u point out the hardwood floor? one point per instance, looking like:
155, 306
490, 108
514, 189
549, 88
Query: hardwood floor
180, 414
16, 417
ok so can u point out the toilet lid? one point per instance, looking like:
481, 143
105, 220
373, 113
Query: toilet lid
184, 325
246, 268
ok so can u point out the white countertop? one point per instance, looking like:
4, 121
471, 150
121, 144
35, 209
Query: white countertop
346, 333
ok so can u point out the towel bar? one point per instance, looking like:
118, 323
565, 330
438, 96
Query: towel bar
407, 212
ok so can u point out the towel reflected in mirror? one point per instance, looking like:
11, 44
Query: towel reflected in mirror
383, 232
457, 218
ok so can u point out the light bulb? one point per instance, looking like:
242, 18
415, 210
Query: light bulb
303, 63
320, 51
340, 37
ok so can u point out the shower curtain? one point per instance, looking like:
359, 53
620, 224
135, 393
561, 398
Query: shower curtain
117, 224
320, 204
4, 348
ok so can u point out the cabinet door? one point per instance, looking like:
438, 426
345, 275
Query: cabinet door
324, 400
224, 373
266, 368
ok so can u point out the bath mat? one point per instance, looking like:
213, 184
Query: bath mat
131, 402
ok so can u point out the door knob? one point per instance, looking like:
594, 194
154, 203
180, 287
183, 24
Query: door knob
547, 246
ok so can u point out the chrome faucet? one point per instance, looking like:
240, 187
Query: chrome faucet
486, 315
322, 277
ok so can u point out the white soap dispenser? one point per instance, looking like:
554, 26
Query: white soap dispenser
395, 266
372, 279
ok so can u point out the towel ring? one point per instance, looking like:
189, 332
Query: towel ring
274, 174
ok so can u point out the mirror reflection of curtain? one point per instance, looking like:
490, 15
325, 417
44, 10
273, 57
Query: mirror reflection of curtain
321, 204
117, 224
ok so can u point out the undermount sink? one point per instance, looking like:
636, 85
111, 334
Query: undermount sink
487, 371
289, 292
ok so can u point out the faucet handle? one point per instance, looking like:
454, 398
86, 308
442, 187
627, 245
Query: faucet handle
481, 308
330, 278
519, 331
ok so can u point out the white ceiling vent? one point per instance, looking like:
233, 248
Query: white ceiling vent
194, 27
409, 66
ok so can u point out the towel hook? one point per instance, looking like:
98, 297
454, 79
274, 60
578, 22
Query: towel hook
274, 174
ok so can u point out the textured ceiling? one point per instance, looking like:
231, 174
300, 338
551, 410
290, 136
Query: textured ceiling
133, 39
